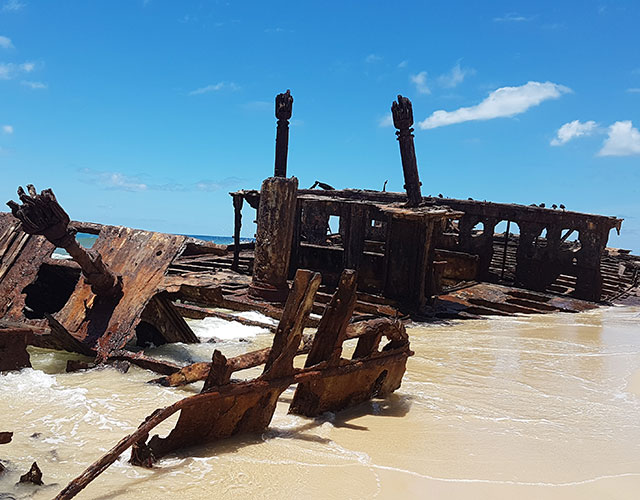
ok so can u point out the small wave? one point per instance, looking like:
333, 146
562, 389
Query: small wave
256, 316
60, 254
40, 386
216, 328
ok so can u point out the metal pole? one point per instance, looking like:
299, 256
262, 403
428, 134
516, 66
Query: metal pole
402, 112
284, 107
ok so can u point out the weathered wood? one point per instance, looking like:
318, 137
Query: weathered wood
194, 246
219, 373
402, 112
20, 258
34, 475
237, 226
41, 214
284, 107
161, 313
338, 391
13, 349
289, 332
141, 259
274, 235
61, 339
145, 362
195, 312
356, 227
327, 344
199, 371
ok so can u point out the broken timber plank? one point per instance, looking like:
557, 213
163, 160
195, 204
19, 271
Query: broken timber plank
252, 411
20, 259
140, 258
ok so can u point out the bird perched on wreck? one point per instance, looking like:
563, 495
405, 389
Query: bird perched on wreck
322, 185
554, 206
562, 207
542, 205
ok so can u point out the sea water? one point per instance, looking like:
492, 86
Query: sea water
526, 407
87, 240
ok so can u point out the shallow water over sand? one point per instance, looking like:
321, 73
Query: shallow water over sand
528, 407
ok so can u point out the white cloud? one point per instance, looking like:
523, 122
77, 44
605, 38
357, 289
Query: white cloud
10, 70
512, 17
27, 67
12, 6
372, 58
623, 140
572, 130
117, 180
123, 182
5, 42
386, 121
403, 64
34, 85
501, 103
634, 90
420, 81
7, 129
454, 77
7, 71
214, 88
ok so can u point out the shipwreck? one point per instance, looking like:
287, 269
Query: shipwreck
395, 257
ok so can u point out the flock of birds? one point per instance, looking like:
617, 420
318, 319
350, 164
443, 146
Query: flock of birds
541, 205
327, 187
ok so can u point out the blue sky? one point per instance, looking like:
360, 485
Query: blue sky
147, 113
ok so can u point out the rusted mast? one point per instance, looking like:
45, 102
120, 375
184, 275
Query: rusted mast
42, 214
284, 107
276, 218
403, 120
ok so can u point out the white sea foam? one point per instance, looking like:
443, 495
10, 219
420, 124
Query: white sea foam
40, 386
256, 316
209, 328
60, 254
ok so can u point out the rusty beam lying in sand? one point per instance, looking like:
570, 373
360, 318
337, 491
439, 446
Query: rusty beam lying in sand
372, 330
224, 409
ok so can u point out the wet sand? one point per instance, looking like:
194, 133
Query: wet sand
530, 407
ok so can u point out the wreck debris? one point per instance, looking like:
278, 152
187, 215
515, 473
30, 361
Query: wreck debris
237, 211
34, 475
275, 219
21, 264
224, 409
273, 239
536, 263
402, 112
284, 107
42, 291
5, 437
13, 349
41, 214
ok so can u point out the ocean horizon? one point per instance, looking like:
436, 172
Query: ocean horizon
87, 240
